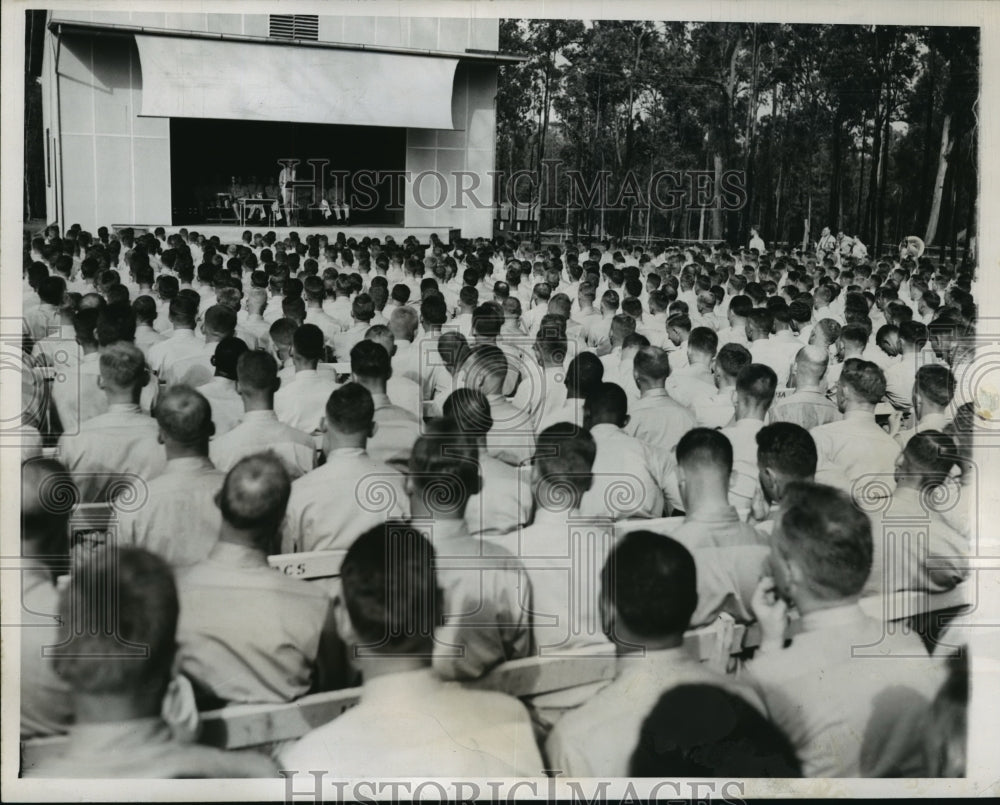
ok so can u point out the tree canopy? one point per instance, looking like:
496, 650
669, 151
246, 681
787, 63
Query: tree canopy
867, 129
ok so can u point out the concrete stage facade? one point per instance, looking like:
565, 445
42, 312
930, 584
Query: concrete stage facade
112, 82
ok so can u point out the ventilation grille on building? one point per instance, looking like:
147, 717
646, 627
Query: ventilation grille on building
295, 26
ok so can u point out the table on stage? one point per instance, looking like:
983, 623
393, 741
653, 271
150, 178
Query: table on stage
265, 203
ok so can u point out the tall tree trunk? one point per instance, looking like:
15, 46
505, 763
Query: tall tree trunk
717, 233
925, 159
869, 232
858, 223
946, 145
835, 170
883, 177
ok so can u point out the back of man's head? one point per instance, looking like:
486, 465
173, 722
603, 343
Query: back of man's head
810, 365
606, 405
487, 368
786, 450
370, 361
254, 496
651, 364
703, 341
123, 367
227, 353
487, 319
185, 417
257, 372
562, 467
390, 591
115, 322
138, 592
705, 450
470, 410
755, 386
864, 380
45, 487
584, 374
928, 459
350, 409
935, 384
830, 540
444, 467
650, 582
308, 343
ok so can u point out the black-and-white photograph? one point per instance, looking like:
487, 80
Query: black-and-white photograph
494, 405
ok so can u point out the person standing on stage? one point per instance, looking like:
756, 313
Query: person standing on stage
286, 185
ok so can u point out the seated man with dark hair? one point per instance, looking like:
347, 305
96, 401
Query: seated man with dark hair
584, 374
755, 386
409, 722
396, 428
933, 557
351, 492
786, 453
504, 501
179, 521
656, 418
648, 595
631, 478
119, 678
830, 690
299, 402
259, 429
487, 614
246, 633
704, 465
856, 446
220, 391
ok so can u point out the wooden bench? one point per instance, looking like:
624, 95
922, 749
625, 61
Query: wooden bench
264, 725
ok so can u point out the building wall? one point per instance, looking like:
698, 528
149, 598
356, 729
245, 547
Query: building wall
116, 166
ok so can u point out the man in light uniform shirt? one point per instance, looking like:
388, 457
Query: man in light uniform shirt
403, 392
585, 373
120, 443
808, 406
648, 595
775, 351
933, 392
180, 521
856, 445
246, 633
259, 430
754, 393
181, 343
694, 384
396, 428
631, 478
300, 403
829, 690
389, 608
368, 491
220, 391
656, 418
543, 385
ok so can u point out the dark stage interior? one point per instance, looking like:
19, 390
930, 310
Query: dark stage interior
206, 154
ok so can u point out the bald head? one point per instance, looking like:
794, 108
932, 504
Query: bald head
810, 366
253, 500
185, 420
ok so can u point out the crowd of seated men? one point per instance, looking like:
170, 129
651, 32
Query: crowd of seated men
513, 452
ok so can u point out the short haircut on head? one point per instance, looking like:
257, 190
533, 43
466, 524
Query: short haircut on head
254, 496
758, 382
564, 457
705, 447
787, 448
257, 370
123, 366
829, 536
227, 354
350, 409
184, 415
370, 360
444, 464
220, 320
607, 403
652, 363
487, 319
390, 589
470, 411
864, 378
309, 342
933, 454
138, 592
855, 334
936, 383
433, 310
733, 358
282, 332
652, 581
704, 340
584, 373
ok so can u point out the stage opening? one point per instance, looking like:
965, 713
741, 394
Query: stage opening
228, 172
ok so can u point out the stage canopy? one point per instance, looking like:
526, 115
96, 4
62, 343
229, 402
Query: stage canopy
202, 78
